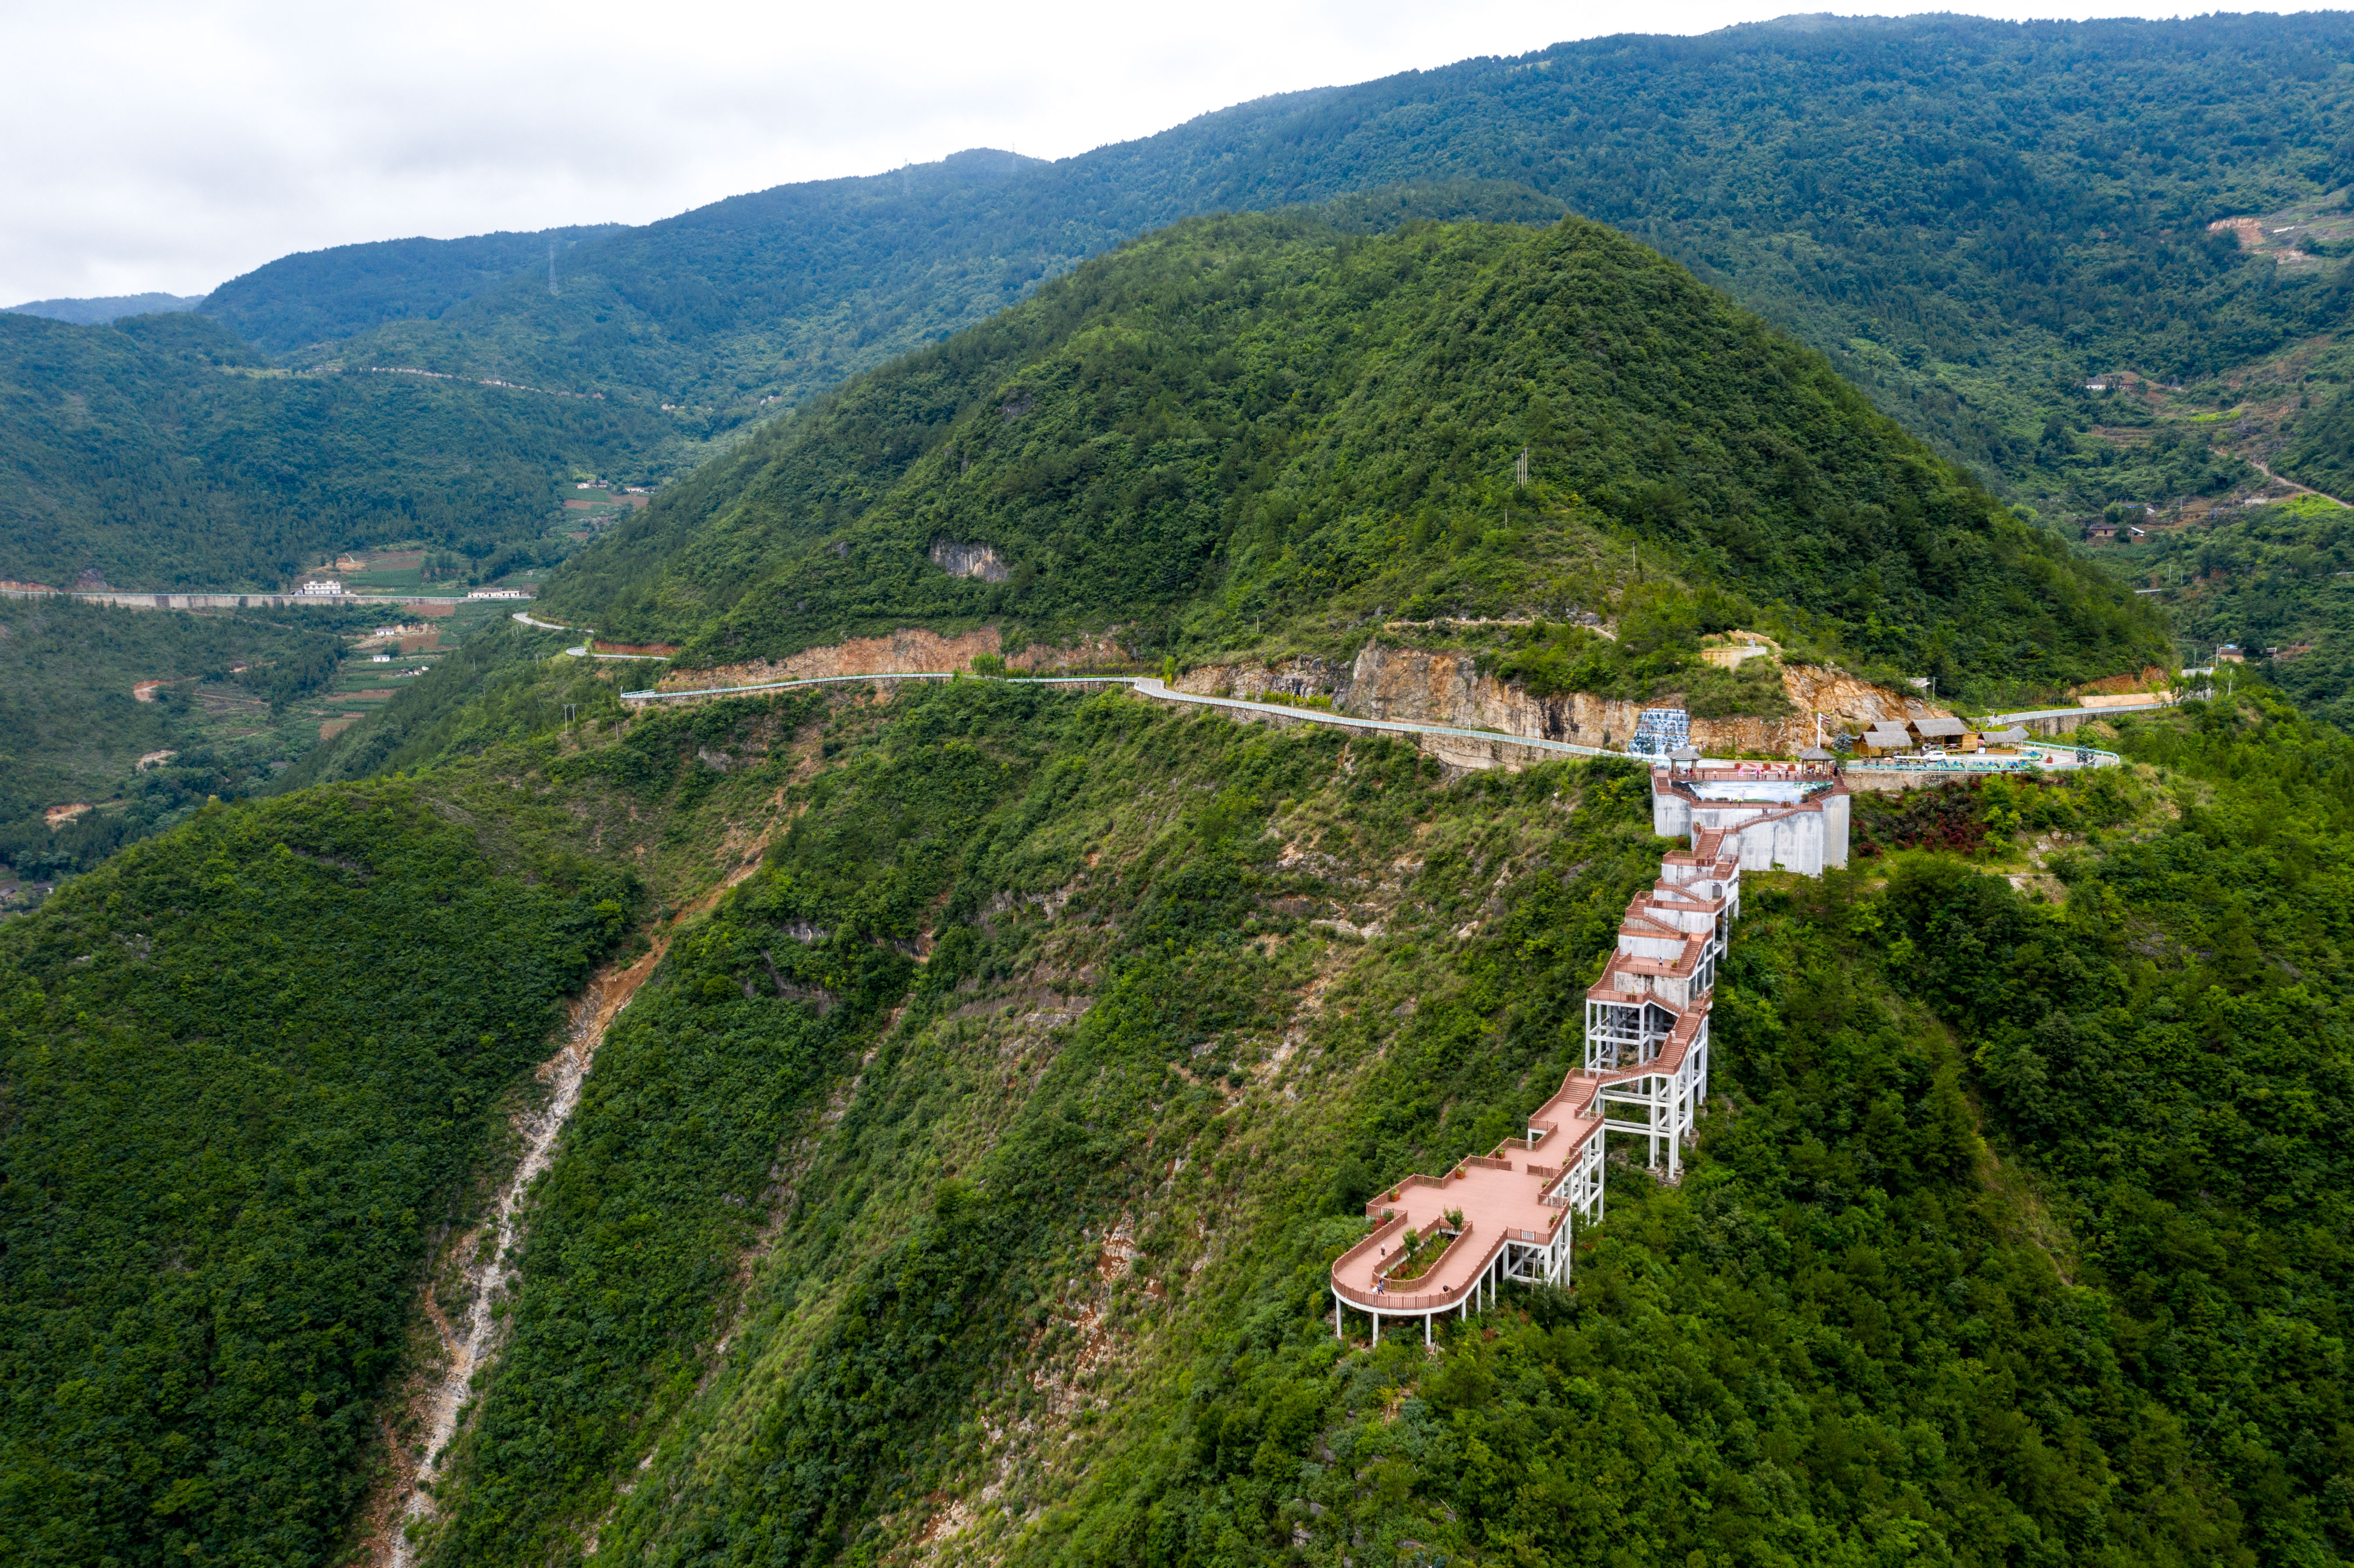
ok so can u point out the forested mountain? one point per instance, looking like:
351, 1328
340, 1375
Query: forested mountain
253, 1061
164, 451
112, 307
1003, 1067
1972, 217
315, 297
967, 1177
1259, 431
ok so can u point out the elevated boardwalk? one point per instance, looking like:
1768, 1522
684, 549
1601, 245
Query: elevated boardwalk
1445, 1245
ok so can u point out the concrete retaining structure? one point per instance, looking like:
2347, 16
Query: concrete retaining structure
125, 599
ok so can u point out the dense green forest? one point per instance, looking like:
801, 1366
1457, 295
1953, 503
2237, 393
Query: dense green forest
2018, 1235
161, 452
961, 1185
317, 297
1258, 430
973, 1167
250, 1067
1971, 217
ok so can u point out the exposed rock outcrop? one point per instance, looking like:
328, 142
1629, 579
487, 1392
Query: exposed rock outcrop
968, 561
1301, 677
913, 652
1418, 686
1447, 688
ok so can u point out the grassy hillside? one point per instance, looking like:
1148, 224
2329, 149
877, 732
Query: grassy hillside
161, 452
2015, 1234
1259, 431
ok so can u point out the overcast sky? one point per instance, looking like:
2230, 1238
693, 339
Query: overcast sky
171, 146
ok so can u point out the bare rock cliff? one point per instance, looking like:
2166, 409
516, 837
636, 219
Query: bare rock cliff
913, 652
1446, 688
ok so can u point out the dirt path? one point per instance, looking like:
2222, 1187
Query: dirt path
2300, 489
470, 1344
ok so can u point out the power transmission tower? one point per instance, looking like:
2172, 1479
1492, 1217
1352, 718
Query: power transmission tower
551, 265
1521, 469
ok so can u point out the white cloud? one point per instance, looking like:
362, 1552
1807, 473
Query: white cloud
170, 146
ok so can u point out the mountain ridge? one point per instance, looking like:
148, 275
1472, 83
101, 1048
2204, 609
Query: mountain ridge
1208, 432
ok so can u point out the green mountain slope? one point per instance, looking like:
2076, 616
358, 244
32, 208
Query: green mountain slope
316, 297
1248, 424
98, 311
161, 452
967, 1179
77, 733
1040, 1279
249, 1070
1971, 217
2278, 581
2322, 454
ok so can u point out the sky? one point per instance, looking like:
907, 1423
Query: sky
168, 147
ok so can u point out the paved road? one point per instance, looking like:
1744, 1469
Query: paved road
2078, 712
1154, 687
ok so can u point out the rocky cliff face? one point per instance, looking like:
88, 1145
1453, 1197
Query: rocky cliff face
912, 652
969, 561
1413, 685
1446, 688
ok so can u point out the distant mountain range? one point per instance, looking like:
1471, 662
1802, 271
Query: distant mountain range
1972, 219
107, 308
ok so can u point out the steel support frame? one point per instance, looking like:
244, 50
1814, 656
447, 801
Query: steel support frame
1625, 1034
1669, 1106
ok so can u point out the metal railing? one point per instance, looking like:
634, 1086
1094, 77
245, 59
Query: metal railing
1428, 1300
2052, 757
